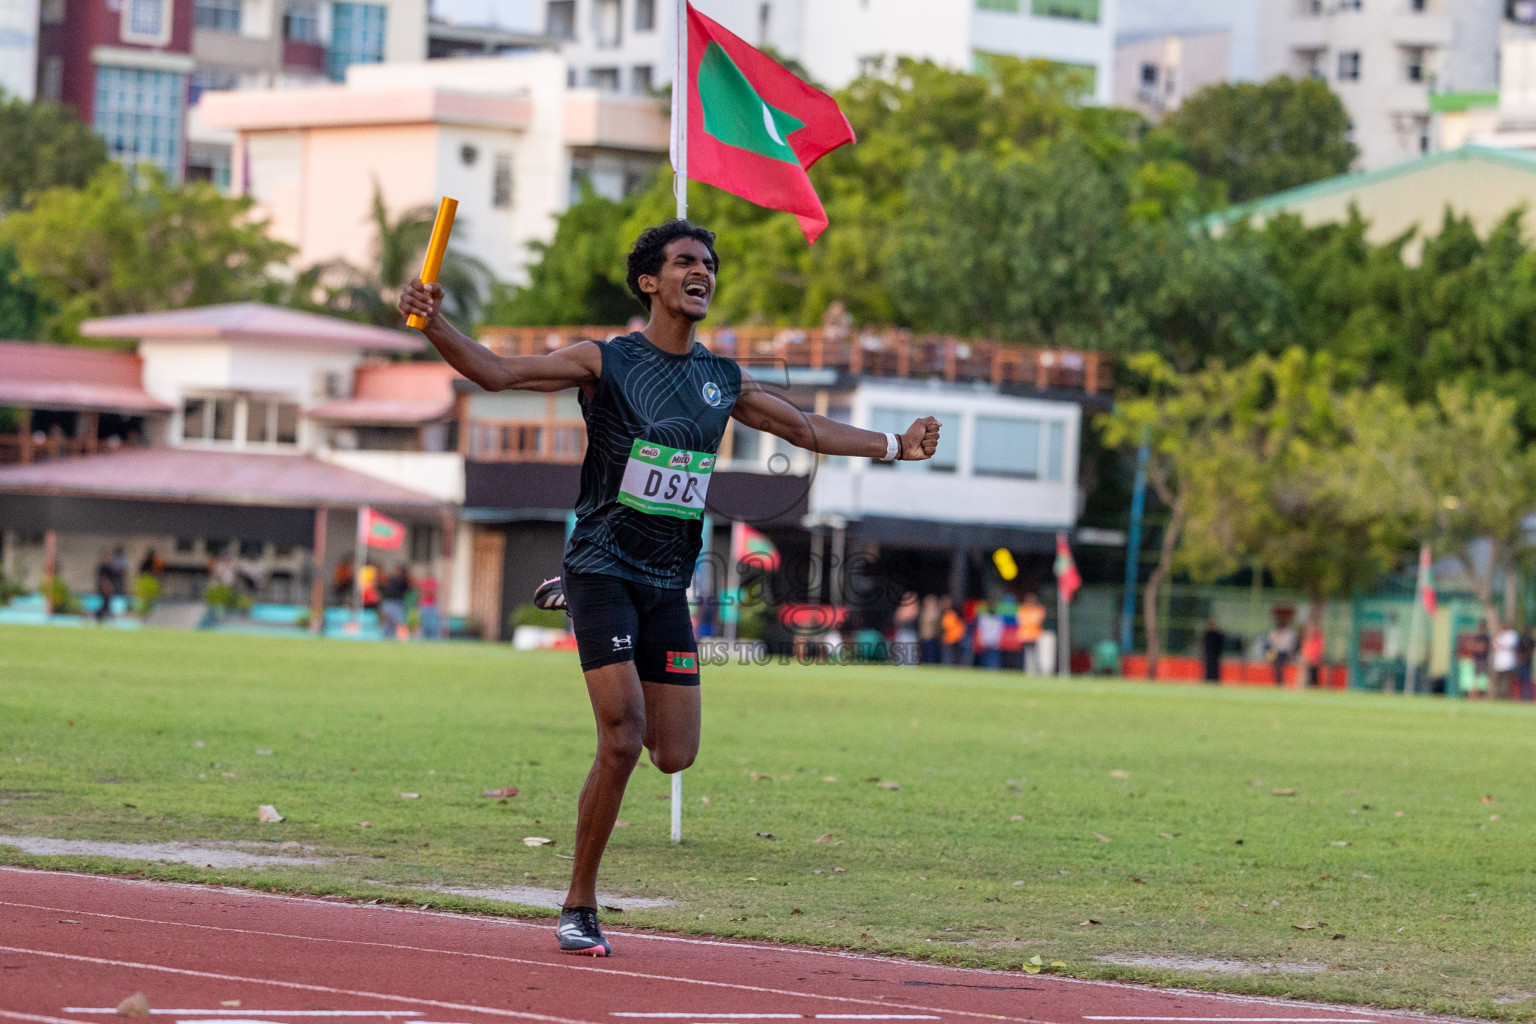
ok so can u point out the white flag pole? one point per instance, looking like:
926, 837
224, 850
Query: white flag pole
680, 190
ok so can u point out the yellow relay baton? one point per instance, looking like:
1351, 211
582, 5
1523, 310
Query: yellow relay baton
441, 229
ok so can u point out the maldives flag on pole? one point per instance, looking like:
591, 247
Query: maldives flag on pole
380, 531
752, 127
1426, 585
1068, 579
750, 548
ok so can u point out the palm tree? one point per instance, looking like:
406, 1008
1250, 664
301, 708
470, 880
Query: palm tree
370, 294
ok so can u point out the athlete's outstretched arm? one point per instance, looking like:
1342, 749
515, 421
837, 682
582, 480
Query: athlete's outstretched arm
763, 410
576, 366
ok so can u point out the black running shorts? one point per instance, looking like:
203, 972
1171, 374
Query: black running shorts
617, 620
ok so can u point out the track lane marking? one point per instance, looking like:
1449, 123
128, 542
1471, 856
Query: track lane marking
34, 1018
783, 950
1247, 1020
545, 963
297, 985
260, 1013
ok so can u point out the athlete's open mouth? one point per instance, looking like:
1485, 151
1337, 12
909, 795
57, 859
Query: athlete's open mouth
697, 289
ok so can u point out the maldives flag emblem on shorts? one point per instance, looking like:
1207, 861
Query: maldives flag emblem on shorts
683, 661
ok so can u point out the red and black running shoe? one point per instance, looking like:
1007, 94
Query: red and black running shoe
579, 933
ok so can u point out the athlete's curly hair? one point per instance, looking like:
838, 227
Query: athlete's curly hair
651, 248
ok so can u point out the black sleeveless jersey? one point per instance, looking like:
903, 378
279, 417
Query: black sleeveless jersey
657, 417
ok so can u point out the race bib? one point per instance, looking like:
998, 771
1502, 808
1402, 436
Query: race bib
662, 481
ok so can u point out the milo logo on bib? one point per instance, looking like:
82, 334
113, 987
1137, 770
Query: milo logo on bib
662, 481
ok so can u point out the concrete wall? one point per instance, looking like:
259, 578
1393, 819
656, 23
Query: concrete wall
18, 48
1185, 64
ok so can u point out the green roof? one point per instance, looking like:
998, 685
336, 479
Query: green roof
1519, 159
1459, 102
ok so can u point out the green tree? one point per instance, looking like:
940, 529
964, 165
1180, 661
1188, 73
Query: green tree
45, 147
370, 293
132, 242
579, 275
22, 310
1259, 138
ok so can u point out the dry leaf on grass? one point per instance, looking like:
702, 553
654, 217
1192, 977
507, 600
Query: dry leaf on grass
410, 796
829, 778
1169, 835
1091, 921
504, 791
537, 841
268, 813
890, 785
1101, 838
621, 824
823, 839
1487, 798
1118, 773
365, 824
134, 1006
1282, 792
1305, 927
766, 835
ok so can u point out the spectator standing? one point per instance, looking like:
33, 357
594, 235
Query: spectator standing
426, 607
1312, 656
951, 632
152, 565
905, 630
1281, 649
1031, 626
928, 626
1523, 659
1214, 642
106, 586
341, 582
1506, 656
392, 602
989, 638
1012, 647
1482, 647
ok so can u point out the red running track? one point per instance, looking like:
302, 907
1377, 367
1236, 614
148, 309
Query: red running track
73, 946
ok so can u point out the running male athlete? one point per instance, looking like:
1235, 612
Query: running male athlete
656, 405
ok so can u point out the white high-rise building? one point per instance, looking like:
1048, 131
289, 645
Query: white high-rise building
18, 48
627, 45
1385, 58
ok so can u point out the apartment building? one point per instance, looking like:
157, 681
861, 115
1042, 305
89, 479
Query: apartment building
1155, 73
1385, 59
627, 45
18, 48
503, 136
267, 44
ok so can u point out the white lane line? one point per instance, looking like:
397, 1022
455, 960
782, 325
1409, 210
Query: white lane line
713, 1016
260, 1013
1249, 1020
539, 963
873, 1016
297, 985
34, 1018
783, 950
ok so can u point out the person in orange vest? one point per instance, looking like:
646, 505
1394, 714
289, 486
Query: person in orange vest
1031, 626
951, 632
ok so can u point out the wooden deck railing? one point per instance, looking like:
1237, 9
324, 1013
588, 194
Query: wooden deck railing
886, 353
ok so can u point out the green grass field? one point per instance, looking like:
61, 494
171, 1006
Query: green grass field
1413, 890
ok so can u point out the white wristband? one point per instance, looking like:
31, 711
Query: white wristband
892, 447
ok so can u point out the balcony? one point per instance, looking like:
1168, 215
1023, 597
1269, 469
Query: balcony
887, 353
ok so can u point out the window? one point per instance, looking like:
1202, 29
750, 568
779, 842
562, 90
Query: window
357, 37
206, 418
1349, 66
208, 79
51, 12
640, 79
1414, 61
139, 115
53, 80
1350, 5
1076, 10
607, 24
645, 15
301, 21
1149, 76
1055, 450
560, 19
423, 542
501, 182
606, 79
218, 15
146, 21
1418, 6
1007, 447
945, 459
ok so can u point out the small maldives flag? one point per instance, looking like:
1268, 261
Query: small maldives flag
753, 128
1426, 585
1068, 579
380, 531
752, 549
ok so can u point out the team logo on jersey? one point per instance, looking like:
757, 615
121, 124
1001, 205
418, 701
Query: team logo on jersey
650, 452
712, 393
680, 460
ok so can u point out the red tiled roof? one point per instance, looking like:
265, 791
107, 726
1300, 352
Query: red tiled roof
395, 393
384, 410
251, 322
186, 474
72, 377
